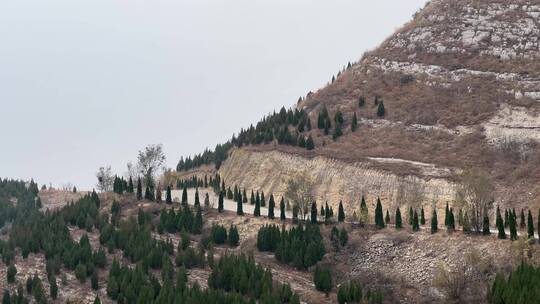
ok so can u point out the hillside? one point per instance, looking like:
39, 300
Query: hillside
460, 85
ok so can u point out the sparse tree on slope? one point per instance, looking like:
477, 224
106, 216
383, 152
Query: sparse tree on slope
434, 221
379, 220
530, 225
271, 206
341, 212
399, 225
314, 213
500, 225
282, 209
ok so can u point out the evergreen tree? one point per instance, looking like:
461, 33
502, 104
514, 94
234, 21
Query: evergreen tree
399, 225
53, 286
364, 212
361, 101
282, 209
139, 189
341, 213
130, 185
451, 223
387, 217
354, 123
411, 216
530, 225
485, 226
168, 195
198, 223
263, 200
507, 219
239, 205
184, 196
97, 300
314, 213
415, 224
6, 298
220, 202
257, 210
522, 220
422, 217
434, 221
323, 280
11, 273
327, 214
538, 223
500, 225
513, 228
271, 206
380, 109
94, 280
234, 238
310, 145
447, 216
252, 199
379, 220
197, 199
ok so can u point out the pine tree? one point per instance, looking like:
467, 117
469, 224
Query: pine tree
530, 225
500, 225
354, 123
314, 213
11, 273
364, 212
271, 206
399, 225
538, 223
244, 197
379, 220
282, 209
6, 298
387, 217
139, 189
380, 109
198, 223
263, 200
327, 214
422, 217
415, 224
197, 199
341, 212
507, 219
434, 221
168, 195
239, 205
220, 202
485, 226
252, 199
411, 216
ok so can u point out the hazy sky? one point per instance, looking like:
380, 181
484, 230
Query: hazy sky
89, 83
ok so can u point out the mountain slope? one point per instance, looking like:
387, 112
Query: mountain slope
461, 88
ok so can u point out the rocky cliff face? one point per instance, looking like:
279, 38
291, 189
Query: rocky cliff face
461, 88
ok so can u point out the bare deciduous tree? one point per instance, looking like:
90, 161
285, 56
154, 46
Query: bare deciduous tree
149, 161
299, 192
455, 282
475, 193
105, 179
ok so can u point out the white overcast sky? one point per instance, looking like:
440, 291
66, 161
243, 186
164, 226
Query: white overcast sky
89, 83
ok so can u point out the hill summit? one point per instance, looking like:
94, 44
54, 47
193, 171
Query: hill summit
455, 90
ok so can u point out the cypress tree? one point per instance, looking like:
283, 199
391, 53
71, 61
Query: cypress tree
310, 145
513, 228
411, 216
271, 205
530, 225
415, 225
364, 212
422, 217
446, 215
451, 224
184, 196
485, 226
130, 185
354, 123
434, 222
327, 214
239, 205
500, 225
139, 189
282, 209
197, 199
341, 213
314, 213
257, 210
538, 223
6, 298
398, 219
507, 219
244, 196
380, 109
460, 217
220, 202
379, 220
168, 195
387, 218
522, 218
263, 200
